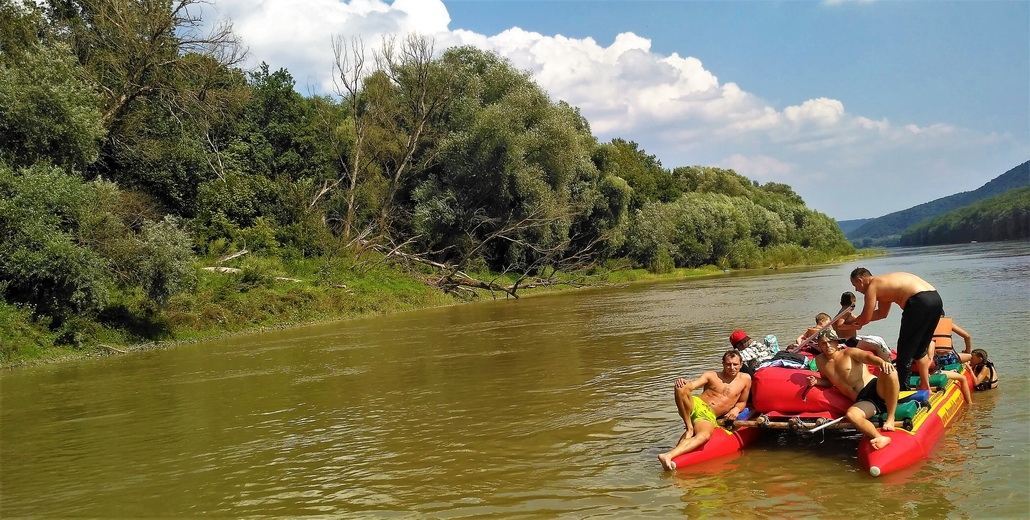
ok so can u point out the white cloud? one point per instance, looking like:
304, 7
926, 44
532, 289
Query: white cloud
672, 105
760, 167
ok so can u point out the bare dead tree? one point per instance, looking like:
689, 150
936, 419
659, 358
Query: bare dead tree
453, 278
349, 73
137, 44
423, 88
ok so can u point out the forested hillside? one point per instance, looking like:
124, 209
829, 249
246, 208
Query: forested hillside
886, 230
1004, 217
150, 187
848, 225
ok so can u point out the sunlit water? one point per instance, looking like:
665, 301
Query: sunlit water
546, 407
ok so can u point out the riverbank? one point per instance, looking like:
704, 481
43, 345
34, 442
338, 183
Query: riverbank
227, 305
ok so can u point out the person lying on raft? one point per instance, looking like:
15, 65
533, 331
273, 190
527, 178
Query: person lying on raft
845, 370
821, 320
725, 393
752, 353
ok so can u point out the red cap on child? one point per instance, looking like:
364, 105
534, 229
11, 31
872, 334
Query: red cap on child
737, 337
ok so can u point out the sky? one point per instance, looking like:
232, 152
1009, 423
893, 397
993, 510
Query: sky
863, 107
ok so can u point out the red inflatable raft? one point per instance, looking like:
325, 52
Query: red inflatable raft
782, 399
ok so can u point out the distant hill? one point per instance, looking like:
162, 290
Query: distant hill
1004, 217
848, 225
886, 230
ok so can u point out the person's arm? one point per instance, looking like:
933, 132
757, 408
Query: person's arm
695, 384
819, 381
871, 309
982, 375
842, 325
741, 401
869, 358
965, 337
868, 307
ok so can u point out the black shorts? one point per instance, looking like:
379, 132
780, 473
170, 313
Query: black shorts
870, 395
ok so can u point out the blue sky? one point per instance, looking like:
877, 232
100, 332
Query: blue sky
863, 107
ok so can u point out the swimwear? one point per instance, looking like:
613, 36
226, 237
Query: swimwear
918, 321
870, 395
991, 380
942, 360
702, 411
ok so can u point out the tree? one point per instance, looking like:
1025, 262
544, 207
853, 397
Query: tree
643, 172
48, 110
41, 262
162, 81
389, 119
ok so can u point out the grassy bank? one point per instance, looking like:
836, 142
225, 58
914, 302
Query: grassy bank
270, 293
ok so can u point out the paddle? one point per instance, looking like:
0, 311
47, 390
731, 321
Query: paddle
815, 337
826, 424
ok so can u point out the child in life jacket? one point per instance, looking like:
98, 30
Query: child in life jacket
985, 377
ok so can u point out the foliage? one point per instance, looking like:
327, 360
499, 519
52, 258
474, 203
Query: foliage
731, 232
48, 110
130, 143
642, 172
23, 336
1003, 217
67, 245
507, 184
886, 230
42, 265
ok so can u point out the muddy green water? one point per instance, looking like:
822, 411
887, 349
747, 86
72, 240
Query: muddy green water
548, 407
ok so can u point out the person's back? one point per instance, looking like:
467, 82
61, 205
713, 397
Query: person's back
898, 287
943, 349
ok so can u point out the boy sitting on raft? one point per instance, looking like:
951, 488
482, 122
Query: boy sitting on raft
844, 369
872, 344
725, 392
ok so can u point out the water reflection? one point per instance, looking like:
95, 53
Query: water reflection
539, 408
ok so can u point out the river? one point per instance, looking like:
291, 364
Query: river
545, 407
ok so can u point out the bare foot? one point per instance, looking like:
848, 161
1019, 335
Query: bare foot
878, 443
667, 462
888, 424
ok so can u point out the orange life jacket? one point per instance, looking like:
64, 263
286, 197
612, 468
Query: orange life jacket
942, 334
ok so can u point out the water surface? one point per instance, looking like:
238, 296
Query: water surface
545, 407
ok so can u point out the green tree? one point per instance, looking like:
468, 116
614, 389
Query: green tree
161, 80
513, 172
643, 172
48, 110
41, 262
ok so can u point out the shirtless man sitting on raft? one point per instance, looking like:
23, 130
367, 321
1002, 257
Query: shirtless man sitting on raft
845, 370
725, 393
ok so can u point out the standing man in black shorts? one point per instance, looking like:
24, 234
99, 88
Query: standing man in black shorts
921, 308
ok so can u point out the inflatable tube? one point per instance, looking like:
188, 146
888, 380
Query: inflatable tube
909, 447
786, 390
723, 442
